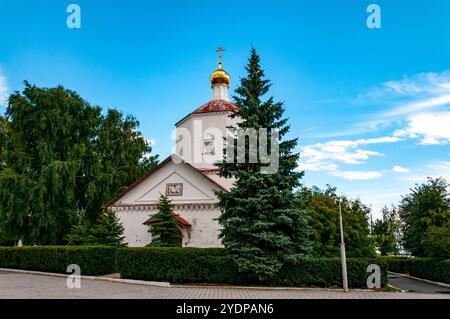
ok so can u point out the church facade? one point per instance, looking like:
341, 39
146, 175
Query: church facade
188, 178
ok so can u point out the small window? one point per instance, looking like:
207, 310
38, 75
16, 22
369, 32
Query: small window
209, 147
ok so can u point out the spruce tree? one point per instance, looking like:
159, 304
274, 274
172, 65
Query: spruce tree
261, 226
164, 230
107, 230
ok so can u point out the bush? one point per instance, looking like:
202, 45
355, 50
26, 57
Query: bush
437, 242
212, 265
432, 269
178, 265
425, 268
327, 272
93, 260
396, 264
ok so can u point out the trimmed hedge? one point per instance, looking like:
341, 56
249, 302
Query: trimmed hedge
327, 272
178, 265
212, 265
426, 268
397, 264
93, 260
187, 265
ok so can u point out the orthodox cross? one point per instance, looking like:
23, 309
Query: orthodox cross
220, 50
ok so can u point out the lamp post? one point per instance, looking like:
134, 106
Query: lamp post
343, 258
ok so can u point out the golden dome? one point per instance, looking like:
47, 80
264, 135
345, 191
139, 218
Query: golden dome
220, 76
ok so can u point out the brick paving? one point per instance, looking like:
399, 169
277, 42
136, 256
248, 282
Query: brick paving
31, 286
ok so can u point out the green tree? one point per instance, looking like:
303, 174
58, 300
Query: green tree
3, 138
322, 207
262, 227
107, 230
323, 213
437, 242
164, 229
61, 158
385, 232
426, 207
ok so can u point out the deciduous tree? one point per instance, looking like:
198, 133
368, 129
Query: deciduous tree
62, 157
322, 207
386, 232
427, 206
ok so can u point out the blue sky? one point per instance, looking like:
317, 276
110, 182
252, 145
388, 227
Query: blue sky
371, 107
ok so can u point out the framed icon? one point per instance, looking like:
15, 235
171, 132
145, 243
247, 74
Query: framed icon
174, 189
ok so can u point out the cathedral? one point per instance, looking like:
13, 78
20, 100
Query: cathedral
188, 177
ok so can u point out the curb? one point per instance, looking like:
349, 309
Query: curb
168, 285
399, 290
421, 279
271, 288
124, 281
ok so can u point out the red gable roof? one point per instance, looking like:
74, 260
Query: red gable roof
217, 106
179, 219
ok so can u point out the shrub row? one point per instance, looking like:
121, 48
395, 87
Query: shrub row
93, 260
183, 265
426, 268
212, 265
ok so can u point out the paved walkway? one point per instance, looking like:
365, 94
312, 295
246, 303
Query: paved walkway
31, 286
416, 286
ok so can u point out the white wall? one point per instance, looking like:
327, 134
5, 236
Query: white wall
196, 205
204, 230
198, 125
196, 188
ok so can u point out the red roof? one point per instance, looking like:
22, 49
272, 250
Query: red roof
217, 106
179, 219
208, 170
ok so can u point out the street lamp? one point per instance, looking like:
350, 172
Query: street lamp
343, 258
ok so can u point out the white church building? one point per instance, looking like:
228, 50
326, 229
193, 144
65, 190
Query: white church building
188, 178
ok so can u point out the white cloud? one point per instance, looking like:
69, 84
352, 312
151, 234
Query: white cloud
423, 91
420, 105
325, 156
357, 175
378, 198
3, 89
440, 169
418, 85
421, 83
318, 166
399, 169
430, 128
151, 141
395, 101
435, 169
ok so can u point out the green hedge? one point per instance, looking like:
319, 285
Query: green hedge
426, 268
211, 265
327, 272
397, 264
93, 260
183, 265
178, 265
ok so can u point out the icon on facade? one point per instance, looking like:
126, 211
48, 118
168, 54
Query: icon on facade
174, 189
